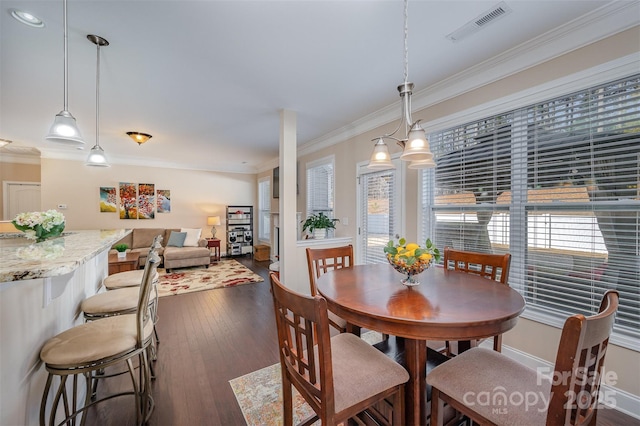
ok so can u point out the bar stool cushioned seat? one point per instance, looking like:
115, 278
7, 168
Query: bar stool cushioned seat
123, 279
117, 302
94, 340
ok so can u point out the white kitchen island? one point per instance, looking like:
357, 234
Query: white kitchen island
41, 288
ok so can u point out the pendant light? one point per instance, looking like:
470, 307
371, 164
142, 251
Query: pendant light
64, 128
415, 146
96, 156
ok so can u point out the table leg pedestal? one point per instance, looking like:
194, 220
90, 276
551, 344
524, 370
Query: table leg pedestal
416, 387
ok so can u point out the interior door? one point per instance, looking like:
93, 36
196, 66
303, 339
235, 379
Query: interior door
379, 211
20, 197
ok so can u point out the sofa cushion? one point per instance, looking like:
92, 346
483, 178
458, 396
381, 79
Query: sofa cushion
143, 237
175, 253
193, 236
176, 239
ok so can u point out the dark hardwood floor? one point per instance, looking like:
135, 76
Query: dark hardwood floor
206, 339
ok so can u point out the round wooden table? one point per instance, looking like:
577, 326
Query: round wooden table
447, 305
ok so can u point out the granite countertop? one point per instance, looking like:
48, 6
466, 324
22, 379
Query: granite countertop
23, 259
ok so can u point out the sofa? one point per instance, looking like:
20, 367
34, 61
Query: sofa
140, 239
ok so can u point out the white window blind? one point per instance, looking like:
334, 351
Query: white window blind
264, 209
556, 184
320, 187
379, 221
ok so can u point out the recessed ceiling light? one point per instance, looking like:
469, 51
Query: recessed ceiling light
27, 18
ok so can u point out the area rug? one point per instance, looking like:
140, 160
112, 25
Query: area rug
259, 394
226, 273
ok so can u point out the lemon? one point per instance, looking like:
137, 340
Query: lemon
412, 246
425, 256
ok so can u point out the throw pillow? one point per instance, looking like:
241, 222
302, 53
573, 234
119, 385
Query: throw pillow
193, 236
176, 239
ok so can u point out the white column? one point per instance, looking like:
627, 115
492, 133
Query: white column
288, 159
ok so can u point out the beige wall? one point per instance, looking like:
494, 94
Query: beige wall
530, 337
16, 172
194, 195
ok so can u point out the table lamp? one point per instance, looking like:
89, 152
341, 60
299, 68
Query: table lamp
213, 221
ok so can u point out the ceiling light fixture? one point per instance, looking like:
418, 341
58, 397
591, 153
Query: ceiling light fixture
64, 128
96, 156
415, 146
138, 137
27, 18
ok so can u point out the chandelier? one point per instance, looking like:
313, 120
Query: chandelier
414, 143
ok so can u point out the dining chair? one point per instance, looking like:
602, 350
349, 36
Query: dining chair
492, 266
321, 260
488, 387
97, 345
339, 377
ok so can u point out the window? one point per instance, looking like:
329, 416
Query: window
264, 209
320, 187
379, 211
556, 184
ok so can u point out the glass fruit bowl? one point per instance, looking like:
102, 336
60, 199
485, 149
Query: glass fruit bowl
411, 259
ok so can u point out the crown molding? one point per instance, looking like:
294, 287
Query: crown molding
604, 22
80, 156
20, 159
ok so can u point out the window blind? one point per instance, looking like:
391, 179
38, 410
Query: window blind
264, 209
320, 187
378, 221
556, 184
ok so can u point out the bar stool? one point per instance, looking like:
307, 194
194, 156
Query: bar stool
130, 278
96, 345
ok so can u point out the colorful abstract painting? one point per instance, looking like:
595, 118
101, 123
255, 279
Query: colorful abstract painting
164, 201
128, 201
108, 199
146, 201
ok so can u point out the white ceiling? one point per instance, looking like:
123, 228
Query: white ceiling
208, 78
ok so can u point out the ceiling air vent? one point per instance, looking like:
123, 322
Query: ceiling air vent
481, 21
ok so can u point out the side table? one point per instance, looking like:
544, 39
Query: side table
129, 263
214, 243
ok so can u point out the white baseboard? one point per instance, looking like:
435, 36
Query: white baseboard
622, 401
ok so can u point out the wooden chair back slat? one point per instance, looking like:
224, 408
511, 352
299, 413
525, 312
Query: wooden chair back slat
321, 260
579, 362
487, 265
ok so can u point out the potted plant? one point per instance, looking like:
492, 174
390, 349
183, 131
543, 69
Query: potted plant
122, 250
318, 224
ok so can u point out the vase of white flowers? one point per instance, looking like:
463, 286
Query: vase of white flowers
40, 226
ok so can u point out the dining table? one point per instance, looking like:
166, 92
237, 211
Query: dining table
445, 305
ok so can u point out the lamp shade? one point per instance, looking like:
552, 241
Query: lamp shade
422, 164
380, 158
65, 130
213, 220
97, 157
138, 137
417, 146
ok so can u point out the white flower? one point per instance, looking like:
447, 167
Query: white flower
38, 225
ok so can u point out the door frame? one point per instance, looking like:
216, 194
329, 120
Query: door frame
5, 193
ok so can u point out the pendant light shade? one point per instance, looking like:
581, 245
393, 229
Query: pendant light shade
64, 129
97, 156
416, 147
423, 164
380, 159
